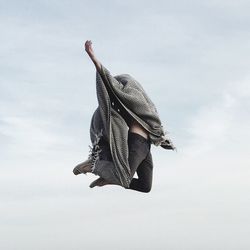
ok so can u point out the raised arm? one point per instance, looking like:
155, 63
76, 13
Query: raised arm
90, 51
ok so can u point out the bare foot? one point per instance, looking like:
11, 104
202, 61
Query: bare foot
98, 182
83, 168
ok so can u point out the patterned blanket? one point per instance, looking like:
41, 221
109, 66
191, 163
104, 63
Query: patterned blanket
108, 124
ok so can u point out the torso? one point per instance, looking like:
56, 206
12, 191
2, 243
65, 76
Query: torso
133, 125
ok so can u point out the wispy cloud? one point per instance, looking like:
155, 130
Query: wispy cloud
191, 57
222, 122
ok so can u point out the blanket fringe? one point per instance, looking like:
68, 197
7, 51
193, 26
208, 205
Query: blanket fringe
94, 151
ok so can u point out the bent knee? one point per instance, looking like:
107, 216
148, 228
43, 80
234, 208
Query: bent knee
146, 189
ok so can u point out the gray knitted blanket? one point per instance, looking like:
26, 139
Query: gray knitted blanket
108, 124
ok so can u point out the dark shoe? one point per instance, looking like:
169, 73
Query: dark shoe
83, 168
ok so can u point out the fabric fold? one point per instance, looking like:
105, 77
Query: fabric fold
110, 125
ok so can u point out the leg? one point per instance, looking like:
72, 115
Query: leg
140, 161
145, 176
139, 148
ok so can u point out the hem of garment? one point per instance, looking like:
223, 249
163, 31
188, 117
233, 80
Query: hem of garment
95, 151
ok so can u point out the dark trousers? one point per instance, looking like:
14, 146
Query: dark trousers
140, 161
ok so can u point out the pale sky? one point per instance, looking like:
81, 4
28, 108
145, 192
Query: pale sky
192, 58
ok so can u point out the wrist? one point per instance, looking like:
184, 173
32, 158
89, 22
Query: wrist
94, 59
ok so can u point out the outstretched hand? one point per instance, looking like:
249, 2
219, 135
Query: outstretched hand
90, 51
88, 48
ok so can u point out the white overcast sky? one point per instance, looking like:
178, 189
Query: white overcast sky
192, 57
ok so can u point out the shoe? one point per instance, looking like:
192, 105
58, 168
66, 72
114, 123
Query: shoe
98, 182
83, 168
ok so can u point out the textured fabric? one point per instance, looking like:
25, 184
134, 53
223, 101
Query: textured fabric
107, 122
